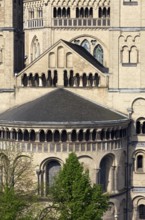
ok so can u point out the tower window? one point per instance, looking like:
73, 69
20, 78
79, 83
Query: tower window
141, 210
139, 164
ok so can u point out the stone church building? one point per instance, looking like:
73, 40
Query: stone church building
72, 78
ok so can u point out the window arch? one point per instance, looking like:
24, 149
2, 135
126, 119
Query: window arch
60, 57
141, 210
133, 55
98, 54
52, 169
138, 127
49, 136
26, 135
56, 136
20, 135
139, 163
69, 62
42, 136
32, 135
86, 45
106, 179
52, 60
35, 48
73, 135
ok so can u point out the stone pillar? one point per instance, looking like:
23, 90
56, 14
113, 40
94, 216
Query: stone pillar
98, 176
42, 183
38, 172
114, 179
135, 213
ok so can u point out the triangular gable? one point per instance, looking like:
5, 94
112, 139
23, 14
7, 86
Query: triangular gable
64, 56
43, 61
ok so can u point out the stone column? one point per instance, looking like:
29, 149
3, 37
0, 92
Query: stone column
97, 176
114, 179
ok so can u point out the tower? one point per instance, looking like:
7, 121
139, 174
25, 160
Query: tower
11, 41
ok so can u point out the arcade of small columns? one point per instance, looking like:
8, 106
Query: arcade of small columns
62, 135
68, 79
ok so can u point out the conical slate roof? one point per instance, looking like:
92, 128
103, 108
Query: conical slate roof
60, 107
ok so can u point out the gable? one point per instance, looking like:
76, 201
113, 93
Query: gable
62, 58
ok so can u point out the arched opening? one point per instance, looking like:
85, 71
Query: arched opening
14, 134
32, 135
87, 135
69, 63
86, 13
90, 79
31, 80
91, 13
86, 45
80, 135
49, 136
139, 163
77, 80
26, 135
59, 12
112, 134
64, 136
54, 12
42, 136
133, 55
104, 12
52, 62
44, 81
74, 135
68, 12
98, 53
106, 173
143, 128
64, 12
55, 78
56, 136
94, 135
49, 79
65, 78
102, 134
25, 80
35, 48
82, 12
36, 80
125, 55
100, 13
20, 135
141, 211
108, 12
52, 169
60, 57
77, 13
84, 79
96, 80
7, 134
71, 79
107, 134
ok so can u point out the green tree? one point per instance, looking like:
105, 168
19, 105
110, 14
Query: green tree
16, 186
73, 195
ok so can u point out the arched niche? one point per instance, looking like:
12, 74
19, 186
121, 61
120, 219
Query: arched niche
106, 173
86, 45
35, 48
60, 57
52, 62
69, 60
98, 53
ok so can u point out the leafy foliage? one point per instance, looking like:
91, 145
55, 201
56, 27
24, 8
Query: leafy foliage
17, 189
73, 195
